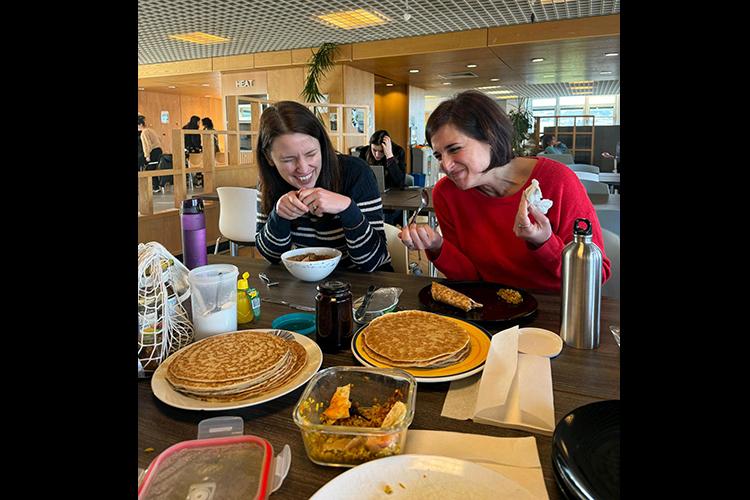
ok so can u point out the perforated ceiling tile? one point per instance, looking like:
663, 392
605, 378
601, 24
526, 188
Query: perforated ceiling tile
269, 25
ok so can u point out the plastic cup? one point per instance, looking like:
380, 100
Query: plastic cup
213, 296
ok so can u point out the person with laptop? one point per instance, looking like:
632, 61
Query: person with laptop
310, 196
383, 151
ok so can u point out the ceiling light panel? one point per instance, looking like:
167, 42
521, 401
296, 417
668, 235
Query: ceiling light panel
353, 19
268, 25
199, 38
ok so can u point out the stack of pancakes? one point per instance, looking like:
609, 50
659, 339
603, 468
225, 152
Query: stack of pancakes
235, 366
415, 339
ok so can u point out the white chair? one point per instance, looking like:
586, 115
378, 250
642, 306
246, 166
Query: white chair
588, 176
612, 248
238, 212
595, 187
399, 252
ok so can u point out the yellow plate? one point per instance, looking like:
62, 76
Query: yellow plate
479, 339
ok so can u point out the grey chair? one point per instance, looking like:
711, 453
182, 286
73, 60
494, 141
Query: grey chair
566, 158
609, 219
612, 248
582, 167
595, 187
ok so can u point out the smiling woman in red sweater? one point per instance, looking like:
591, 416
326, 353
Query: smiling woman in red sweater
489, 231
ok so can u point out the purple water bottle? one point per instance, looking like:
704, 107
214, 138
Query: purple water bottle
193, 221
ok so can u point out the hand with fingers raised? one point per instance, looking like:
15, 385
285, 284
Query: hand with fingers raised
536, 232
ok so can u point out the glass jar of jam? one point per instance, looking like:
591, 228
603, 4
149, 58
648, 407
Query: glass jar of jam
333, 311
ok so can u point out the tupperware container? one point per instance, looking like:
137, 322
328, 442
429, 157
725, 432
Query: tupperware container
302, 323
384, 300
344, 446
205, 469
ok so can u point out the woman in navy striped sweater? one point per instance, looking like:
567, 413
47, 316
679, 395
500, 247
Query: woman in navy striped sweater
310, 196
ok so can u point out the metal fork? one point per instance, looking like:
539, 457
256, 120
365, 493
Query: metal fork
265, 279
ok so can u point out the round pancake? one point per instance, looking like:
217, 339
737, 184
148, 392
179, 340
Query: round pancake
439, 362
414, 337
229, 357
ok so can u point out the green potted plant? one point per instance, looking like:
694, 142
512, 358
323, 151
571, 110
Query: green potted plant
521, 118
320, 63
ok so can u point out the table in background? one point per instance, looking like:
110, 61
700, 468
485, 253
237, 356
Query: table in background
611, 178
579, 377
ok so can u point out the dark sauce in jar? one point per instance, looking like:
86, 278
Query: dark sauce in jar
333, 310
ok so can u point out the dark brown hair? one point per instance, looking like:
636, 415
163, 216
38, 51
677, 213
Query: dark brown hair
477, 115
289, 117
377, 139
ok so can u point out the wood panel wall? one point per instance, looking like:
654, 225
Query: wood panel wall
392, 114
181, 108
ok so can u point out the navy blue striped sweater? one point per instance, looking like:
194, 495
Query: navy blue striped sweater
357, 231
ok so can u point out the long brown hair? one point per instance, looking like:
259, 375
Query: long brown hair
289, 117
479, 116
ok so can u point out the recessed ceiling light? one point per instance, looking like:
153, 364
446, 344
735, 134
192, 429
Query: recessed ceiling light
494, 79
199, 37
205, 84
547, 76
141, 88
446, 83
611, 54
537, 59
605, 72
389, 85
172, 87
471, 65
207, 96
413, 71
499, 92
352, 19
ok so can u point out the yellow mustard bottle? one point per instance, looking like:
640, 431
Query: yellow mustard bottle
245, 314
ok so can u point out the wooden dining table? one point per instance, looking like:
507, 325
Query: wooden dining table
579, 377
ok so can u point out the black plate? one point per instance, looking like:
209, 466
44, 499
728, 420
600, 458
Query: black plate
495, 310
586, 451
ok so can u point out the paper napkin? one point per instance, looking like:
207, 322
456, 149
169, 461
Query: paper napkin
515, 458
514, 390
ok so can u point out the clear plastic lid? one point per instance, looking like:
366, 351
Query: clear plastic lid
206, 469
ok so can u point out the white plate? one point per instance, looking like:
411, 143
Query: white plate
164, 392
421, 477
539, 341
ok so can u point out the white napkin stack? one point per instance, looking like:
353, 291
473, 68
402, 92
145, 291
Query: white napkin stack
515, 458
515, 389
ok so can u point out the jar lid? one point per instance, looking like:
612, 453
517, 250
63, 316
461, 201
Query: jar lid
334, 286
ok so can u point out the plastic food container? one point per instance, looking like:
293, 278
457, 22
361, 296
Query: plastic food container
206, 469
384, 300
344, 446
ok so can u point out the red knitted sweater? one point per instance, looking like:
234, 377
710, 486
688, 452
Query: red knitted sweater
478, 239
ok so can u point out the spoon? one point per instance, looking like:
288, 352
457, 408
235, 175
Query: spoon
422, 204
216, 302
360, 313
615, 333
265, 279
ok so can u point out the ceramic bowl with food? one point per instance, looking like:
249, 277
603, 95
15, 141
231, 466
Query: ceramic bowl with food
349, 415
312, 263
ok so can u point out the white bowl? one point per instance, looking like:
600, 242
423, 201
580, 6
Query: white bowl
311, 271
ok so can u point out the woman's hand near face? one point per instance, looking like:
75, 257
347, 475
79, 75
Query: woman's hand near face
387, 147
421, 237
290, 207
535, 233
320, 201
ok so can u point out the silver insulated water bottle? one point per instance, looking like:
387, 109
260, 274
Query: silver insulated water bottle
581, 289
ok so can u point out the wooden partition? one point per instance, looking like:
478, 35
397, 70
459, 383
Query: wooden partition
241, 167
579, 137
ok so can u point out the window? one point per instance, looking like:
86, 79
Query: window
605, 115
568, 122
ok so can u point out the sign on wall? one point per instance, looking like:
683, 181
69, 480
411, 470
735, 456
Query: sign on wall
165, 116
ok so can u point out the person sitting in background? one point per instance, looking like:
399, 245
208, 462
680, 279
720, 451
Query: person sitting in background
151, 149
490, 231
208, 124
310, 196
381, 150
192, 141
551, 145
